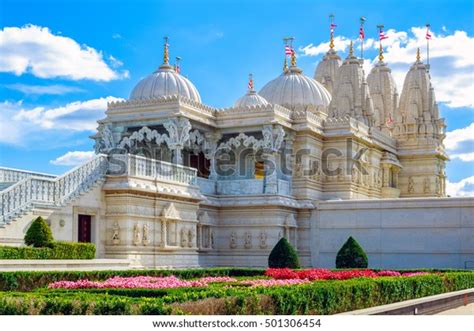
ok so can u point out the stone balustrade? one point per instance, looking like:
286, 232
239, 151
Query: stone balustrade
9, 175
139, 166
52, 191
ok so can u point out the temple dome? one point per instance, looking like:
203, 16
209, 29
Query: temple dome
251, 99
292, 88
165, 81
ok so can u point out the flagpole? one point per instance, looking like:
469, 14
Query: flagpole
380, 27
362, 20
427, 46
331, 33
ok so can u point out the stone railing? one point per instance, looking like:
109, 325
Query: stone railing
140, 166
50, 191
9, 175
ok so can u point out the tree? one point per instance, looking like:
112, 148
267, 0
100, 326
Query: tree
351, 255
283, 255
39, 234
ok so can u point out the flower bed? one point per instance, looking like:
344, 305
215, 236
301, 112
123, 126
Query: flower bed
326, 274
140, 282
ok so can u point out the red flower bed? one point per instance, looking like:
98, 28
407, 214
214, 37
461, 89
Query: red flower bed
315, 274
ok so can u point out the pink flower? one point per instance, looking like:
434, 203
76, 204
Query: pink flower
390, 273
273, 282
418, 273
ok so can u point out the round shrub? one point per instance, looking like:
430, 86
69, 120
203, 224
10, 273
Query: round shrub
39, 234
351, 255
283, 255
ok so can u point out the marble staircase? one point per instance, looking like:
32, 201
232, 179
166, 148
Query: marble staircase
25, 191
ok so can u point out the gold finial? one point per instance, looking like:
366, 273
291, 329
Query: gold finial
331, 31
351, 49
293, 57
166, 56
380, 53
418, 57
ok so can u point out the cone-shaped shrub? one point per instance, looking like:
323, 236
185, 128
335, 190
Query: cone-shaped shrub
283, 255
39, 234
351, 255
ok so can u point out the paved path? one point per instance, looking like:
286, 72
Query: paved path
463, 310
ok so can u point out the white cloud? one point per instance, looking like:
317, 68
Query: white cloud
451, 60
44, 89
463, 188
340, 45
455, 138
73, 158
466, 157
26, 126
36, 50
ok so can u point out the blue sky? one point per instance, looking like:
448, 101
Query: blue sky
60, 61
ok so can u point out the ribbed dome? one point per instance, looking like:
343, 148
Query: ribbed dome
292, 88
164, 82
250, 99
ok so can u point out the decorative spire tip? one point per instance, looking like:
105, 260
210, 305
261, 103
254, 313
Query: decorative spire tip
418, 57
166, 56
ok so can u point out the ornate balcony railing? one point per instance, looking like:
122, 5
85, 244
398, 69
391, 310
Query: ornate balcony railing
139, 166
50, 191
9, 175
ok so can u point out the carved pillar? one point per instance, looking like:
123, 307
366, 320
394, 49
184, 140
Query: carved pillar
386, 175
199, 234
164, 233
178, 132
271, 178
395, 171
272, 141
210, 148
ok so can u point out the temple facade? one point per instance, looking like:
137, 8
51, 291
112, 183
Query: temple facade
178, 183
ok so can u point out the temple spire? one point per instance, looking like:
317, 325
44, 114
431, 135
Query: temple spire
166, 56
351, 49
418, 57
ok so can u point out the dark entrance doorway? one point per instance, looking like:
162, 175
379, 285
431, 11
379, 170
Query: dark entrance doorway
84, 224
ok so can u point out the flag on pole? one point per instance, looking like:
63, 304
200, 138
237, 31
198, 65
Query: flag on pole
250, 85
332, 27
288, 50
178, 69
382, 35
428, 34
361, 33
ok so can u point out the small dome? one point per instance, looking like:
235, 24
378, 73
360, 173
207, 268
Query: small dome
292, 88
251, 98
165, 82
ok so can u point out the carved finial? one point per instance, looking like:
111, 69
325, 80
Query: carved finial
166, 56
293, 57
418, 57
250, 85
285, 65
380, 53
351, 49
331, 31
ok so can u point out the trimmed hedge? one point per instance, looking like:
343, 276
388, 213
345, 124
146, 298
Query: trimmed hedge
320, 297
58, 250
39, 234
283, 255
29, 280
351, 255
